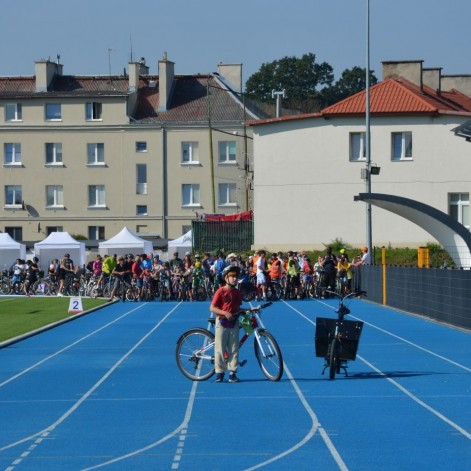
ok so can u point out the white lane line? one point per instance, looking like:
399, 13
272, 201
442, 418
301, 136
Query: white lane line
180, 429
179, 451
315, 426
401, 388
419, 401
46, 431
402, 339
315, 422
459, 365
50, 357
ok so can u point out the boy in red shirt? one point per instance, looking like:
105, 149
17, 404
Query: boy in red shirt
226, 304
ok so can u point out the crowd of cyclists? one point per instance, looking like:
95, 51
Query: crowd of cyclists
195, 277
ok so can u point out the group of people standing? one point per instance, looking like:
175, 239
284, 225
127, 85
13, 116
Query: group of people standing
227, 300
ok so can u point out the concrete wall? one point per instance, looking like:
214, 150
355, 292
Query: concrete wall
305, 183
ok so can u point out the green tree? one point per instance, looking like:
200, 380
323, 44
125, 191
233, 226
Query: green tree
308, 86
350, 82
301, 78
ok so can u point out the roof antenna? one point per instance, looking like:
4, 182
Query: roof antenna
130, 40
109, 61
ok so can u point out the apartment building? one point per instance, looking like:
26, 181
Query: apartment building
92, 154
309, 168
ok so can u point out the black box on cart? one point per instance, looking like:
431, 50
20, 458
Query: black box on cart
350, 332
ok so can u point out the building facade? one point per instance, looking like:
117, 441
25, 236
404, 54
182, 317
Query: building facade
309, 168
92, 154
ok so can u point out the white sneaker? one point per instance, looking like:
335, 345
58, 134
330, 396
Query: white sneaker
60, 295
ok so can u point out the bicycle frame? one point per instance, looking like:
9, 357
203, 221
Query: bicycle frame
198, 363
336, 340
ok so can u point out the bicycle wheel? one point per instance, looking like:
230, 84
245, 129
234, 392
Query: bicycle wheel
4, 287
41, 287
199, 293
132, 292
107, 289
195, 354
334, 361
274, 292
269, 357
164, 293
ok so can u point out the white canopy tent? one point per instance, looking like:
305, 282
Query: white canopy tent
10, 250
56, 245
181, 245
125, 242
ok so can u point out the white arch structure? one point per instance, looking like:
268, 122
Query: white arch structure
452, 235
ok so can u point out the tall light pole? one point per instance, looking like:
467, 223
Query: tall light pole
368, 134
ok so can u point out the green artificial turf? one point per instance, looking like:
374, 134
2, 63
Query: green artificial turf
21, 315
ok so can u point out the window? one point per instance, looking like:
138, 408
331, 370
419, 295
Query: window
459, 208
51, 229
190, 154
95, 154
54, 153
141, 179
53, 112
54, 196
227, 194
357, 147
13, 112
140, 229
190, 195
13, 196
92, 111
12, 154
141, 210
401, 146
96, 232
96, 196
141, 146
227, 152
15, 232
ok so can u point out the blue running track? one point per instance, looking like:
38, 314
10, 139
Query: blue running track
104, 392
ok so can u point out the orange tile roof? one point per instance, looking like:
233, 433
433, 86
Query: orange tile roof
398, 95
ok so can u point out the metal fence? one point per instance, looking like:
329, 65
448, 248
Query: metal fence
440, 294
228, 236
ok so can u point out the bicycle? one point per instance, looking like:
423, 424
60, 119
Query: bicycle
336, 340
195, 348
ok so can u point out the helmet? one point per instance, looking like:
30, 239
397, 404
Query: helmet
35, 259
230, 269
187, 253
342, 251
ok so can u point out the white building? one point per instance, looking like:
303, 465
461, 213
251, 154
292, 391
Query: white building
308, 169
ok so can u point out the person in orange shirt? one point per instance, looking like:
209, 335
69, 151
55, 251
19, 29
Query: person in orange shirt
256, 256
275, 268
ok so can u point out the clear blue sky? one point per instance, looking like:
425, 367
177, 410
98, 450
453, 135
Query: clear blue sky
197, 35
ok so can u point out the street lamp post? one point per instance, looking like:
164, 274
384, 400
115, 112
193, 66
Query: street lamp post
368, 134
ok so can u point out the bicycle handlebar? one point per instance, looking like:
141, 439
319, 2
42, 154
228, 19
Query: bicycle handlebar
349, 295
263, 306
257, 308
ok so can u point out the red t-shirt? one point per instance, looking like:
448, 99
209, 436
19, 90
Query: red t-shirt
228, 300
136, 270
